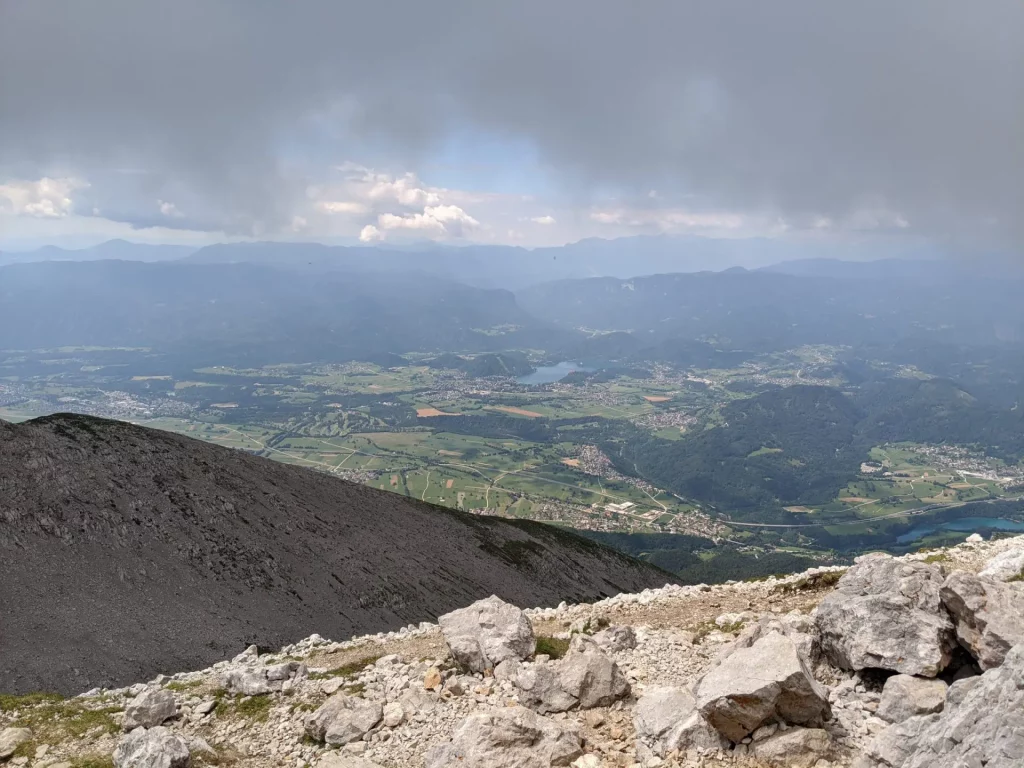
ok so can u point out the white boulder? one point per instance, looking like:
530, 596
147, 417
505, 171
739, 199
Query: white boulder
487, 633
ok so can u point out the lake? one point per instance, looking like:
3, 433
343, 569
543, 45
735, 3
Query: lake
548, 374
964, 525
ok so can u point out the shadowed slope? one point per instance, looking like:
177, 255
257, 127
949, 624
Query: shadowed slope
126, 551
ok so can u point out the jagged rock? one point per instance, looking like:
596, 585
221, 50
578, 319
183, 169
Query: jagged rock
287, 671
667, 719
540, 688
487, 633
343, 719
246, 682
616, 639
11, 739
982, 724
513, 737
767, 680
586, 678
904, 696
1006, 565
887, 613
508, 670
152, 707
590, 676
157, 747
988, 614
794, 748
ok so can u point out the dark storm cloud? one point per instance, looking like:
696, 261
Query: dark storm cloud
809, 108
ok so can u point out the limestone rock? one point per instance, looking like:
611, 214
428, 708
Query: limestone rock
794, 748
887, 613
157, 747
513, 737
247, 682
487, 633
667, 719
1005, 566
988, 614
590, 676
616, 639
343, 719
904, 696
393, 714
540, 688
767, 680
152, 707
981, 725
11, 739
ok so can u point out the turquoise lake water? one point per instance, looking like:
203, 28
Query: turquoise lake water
548, 374
963, 525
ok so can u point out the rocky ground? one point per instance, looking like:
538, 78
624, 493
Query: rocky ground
811, 670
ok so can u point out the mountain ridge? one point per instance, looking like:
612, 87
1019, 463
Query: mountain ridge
127, 551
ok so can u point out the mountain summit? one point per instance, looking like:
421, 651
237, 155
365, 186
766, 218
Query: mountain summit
127, 551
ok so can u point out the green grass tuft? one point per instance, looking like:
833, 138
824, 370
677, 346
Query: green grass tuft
346, 670
552, 646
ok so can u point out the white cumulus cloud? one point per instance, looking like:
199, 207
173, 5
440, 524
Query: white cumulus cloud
370, 234
170, 210
348, 207
546, 220
435, 220
46, 198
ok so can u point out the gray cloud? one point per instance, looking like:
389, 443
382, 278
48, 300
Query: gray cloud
808, 108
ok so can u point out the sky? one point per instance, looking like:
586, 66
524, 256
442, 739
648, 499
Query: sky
530, 123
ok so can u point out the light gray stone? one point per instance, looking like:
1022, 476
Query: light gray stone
887, 614
343, 719
765, 681
540, 688
246, 682
793, 748
393, 715
512, 737
982, 724
590, 676
487, 633
157, 747
152, 707
11, 739
904, 696
1005, 566
667, 719
616, 639
988, 614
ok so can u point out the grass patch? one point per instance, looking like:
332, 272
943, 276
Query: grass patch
1018, 577
552, 646
938, 557
9, 703
346, 670
93, 761
254, 708
701, 631
53, 718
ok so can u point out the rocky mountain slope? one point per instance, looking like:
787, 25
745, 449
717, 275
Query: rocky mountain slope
127, 551
908, 662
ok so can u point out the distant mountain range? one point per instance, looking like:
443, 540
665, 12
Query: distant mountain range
127, 551
493, 266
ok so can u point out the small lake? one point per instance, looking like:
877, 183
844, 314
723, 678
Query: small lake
548, 374
963, 525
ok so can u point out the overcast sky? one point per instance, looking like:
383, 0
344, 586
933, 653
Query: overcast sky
519, 122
